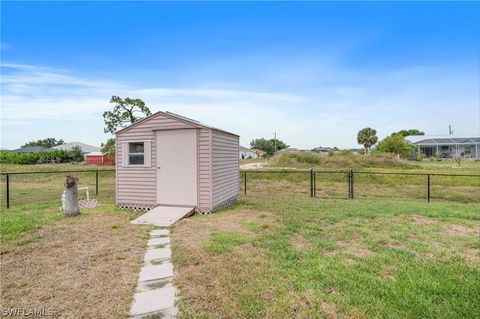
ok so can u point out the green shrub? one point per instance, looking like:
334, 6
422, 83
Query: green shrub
57, 156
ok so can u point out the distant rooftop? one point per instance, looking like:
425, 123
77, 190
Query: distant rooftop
442, 139
86, 148
94, 154
31, 149
244, 149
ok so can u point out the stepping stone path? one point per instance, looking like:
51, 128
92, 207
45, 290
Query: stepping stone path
155, 294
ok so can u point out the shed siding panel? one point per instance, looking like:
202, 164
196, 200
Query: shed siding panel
137, 185
204, 170
225, 170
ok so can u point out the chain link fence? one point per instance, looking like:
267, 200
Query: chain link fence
351, 185
22, 188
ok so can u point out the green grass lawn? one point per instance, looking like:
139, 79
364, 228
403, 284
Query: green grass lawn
281, 254
290, 256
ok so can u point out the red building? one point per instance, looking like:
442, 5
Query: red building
97, 158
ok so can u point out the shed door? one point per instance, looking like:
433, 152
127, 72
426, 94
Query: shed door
177, 167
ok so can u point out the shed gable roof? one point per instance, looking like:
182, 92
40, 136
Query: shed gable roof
183, 119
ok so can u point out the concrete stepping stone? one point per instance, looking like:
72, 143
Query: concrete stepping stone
158, 253
156, 272
153, 301
158, 241
159, 232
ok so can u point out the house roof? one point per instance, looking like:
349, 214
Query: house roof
94, 154
32, 149
86, 148
177, 117
323, 149
442, 140
258, 151
245, 149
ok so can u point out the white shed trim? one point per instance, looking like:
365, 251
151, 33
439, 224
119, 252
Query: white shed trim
147, 153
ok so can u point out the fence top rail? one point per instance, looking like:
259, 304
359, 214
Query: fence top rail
261, 171
275, 171
59, 172
357, 172
416, 174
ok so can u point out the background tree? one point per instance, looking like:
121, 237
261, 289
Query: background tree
395, 144
46, 142
367, 137
125, 112
77, 154
410, 132
109, 147
268, 146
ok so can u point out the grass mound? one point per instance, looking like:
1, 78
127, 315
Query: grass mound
343, 160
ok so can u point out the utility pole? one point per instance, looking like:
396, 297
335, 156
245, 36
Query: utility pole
450, 132
274, 142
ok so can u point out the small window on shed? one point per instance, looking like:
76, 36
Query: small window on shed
136, 153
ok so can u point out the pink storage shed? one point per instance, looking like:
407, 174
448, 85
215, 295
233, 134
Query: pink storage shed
170, 160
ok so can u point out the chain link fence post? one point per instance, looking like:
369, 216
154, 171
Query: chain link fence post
311, 183
8, 190
96, 183
428, 188
245, 182
352, 184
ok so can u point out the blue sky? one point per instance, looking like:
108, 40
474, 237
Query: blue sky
313, 72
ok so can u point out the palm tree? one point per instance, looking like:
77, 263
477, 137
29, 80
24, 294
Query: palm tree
367, 137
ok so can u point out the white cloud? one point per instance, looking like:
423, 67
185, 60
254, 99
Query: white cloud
40, 102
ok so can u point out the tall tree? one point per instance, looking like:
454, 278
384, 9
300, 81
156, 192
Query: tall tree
409, 132
367, 137
125, 112
46, 142
268, 146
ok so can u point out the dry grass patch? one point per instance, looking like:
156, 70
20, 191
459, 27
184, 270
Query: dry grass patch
461, 230
422, 220
301, 243
329, 310
82, 267
355, 248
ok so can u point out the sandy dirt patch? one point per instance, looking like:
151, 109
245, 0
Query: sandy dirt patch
82, 267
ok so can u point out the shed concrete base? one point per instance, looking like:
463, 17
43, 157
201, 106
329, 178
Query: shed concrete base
164, 216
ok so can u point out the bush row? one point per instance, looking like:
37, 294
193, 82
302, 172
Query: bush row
340, 160
53, 156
